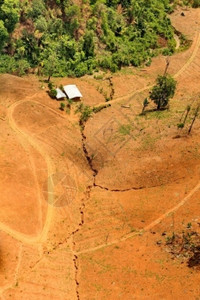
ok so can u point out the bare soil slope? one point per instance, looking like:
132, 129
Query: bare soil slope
85, 214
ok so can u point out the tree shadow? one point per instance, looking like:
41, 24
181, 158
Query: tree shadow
147, 111
194, 261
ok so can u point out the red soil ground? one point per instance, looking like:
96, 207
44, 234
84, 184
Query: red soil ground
68, 235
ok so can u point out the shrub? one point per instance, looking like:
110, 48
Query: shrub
13, 66
81, 69
163, 90
62, 106
180, 125
196, 3
85, 114
52, 93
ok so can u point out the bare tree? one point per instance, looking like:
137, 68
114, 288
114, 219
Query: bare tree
167, 66
188, 108
195, 116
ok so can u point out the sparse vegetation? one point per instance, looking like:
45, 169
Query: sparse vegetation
125, 129
184, 246
85, 111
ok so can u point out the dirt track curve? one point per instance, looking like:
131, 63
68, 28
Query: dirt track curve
27, 140
24, 139
129, 96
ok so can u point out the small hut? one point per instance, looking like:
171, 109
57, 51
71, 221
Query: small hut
72, 92
60, 94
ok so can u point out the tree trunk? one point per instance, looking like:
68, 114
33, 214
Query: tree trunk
49, 78
195, 116
158, 106
167, 66
186, 117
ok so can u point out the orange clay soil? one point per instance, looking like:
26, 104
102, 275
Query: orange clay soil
85, 213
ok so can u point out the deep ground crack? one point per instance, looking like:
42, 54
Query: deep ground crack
112, 93
75, 260
118, 190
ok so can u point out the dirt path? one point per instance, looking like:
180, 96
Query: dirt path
25, 138
177, 41
148, 227
196, 47
128, 96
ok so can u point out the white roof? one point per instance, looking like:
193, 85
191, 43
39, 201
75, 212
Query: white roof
72, 91
60, 94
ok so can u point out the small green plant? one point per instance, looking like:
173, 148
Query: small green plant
85, 114
53, 93
62, 106
50, 85
79, 108
98, 108
180, 125
145, 104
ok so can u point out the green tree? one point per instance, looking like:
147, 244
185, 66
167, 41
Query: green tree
50, 65
9, 13
41, 24
88, 44
3, 34
163, 90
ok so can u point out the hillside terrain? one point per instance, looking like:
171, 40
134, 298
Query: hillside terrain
73, 38
107, 208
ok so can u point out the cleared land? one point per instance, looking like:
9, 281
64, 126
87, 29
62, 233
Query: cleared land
73, 229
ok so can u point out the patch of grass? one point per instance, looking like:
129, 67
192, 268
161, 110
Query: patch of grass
98, 287
129, 270
159, 115
126, 71
148, 142
98, 77
125, 129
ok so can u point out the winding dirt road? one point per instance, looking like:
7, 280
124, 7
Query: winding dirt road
24, 140
27, 140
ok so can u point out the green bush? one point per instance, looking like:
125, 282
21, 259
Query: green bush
62, 106
52, 93
196, 3
13, 66
81, 69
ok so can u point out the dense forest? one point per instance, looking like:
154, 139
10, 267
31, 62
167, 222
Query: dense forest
73, 38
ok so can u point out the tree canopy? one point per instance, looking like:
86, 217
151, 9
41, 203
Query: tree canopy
96, 34
163, 90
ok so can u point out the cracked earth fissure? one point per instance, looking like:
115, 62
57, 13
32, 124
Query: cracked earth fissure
89, 189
